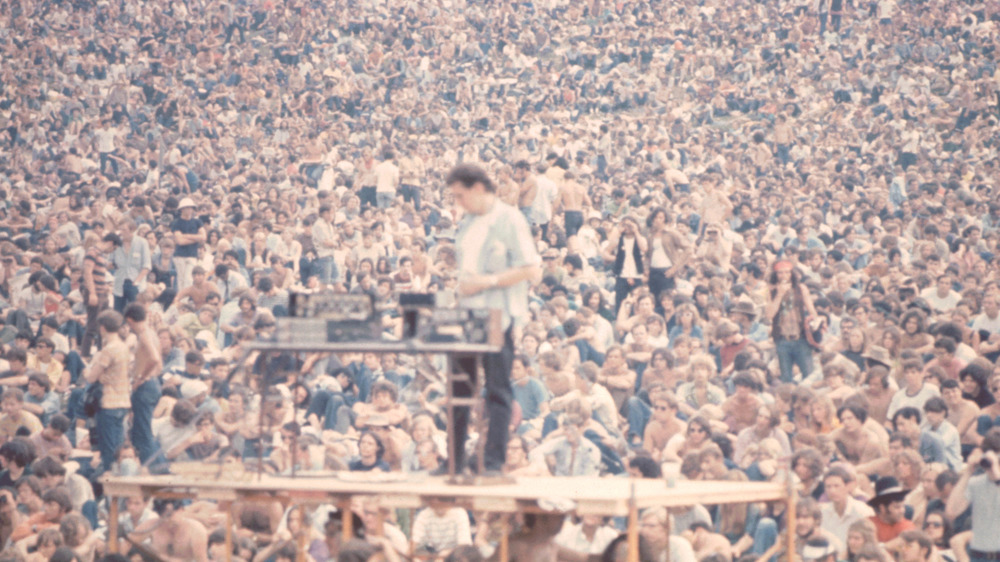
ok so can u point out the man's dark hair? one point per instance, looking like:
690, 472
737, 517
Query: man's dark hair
839, 472
646, 466
110, 320
909, 413
468, 175
60, 496
18, 452
135, 312
937, 405
946, 343
59, 423
859, 412
47, 466
184, 412
41, 380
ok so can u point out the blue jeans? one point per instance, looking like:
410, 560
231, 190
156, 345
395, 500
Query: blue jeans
110, 434
326, 268
765, 536
144, 401
637, 413
384, 200
792, 353
985, 423
411, 193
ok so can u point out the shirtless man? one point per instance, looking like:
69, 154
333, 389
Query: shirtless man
528, 189
199, 289
146, 392
856, 443
571, 199
173, 536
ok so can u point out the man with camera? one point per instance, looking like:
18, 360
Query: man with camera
981, 492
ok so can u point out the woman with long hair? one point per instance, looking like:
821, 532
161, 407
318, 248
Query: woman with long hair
855, 341
789, 304
697, 434
616, 376
914, 334
738, 521
688, 323
939, 530
861, 536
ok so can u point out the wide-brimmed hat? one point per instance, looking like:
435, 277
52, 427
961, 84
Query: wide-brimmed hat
186, 202
744, 307
878, 354
887, 490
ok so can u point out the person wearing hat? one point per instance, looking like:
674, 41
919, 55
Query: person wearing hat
744, 314
788, 306
189, 233
819, 549
889, 518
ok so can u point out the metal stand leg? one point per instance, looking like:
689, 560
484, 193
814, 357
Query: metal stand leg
449, 407
481, 426
790, 519
633, 529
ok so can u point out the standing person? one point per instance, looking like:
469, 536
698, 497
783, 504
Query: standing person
110, 368
497, 260
189, 233
95, 289
386, 181
132, 261
788, 307
412, 171
325, 241
981, 492
625, 248
146, 392
571, 199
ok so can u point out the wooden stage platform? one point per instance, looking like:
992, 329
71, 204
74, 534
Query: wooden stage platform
593, 496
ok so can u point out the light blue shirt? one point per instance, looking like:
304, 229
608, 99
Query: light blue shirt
128, 266
492, 243
952, 443
584, 461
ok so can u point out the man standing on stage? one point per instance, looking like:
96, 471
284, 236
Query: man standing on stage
497, 260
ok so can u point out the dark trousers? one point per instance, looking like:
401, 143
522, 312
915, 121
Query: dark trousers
622, 289
367, 196
144, 401
659, 282
411, 193
499, 396
110, 434
574, 220
91, 336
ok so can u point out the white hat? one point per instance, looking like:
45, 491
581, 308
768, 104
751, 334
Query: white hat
192, 388
186, 202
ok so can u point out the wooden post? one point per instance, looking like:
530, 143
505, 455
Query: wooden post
113, 524
346, 519
790, 501
633, 528
505, 538
229, 532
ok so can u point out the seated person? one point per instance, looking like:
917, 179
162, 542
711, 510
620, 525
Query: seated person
15, 416
40, 400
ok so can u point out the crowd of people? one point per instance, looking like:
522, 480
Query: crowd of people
769, 240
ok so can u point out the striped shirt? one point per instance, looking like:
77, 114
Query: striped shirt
101, 285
